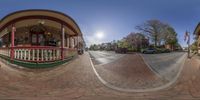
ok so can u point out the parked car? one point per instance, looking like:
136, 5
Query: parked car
149, 50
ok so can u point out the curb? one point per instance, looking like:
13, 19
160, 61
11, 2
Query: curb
156, 73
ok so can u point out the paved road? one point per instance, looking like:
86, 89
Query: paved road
126, 72
104, 57
167, 65
138, 71
77, 81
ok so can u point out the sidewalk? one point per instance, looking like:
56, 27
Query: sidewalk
77, 81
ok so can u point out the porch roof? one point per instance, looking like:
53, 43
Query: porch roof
197, 29
51, 18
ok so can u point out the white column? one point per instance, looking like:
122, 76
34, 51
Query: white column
46, 55
63, 37
58, 53
42, 54
38, 51
75, 41
72, 39
63, 42
33, 54
18, 51
29, 54
15, 53
198, 43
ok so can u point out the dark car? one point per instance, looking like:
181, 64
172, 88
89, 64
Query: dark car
149, 50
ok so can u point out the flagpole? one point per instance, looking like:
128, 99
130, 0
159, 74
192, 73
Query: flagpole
187, 37
188, 42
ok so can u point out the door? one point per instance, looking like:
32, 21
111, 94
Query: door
37, 39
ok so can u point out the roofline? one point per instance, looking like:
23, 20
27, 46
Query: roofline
198, 25
21, 11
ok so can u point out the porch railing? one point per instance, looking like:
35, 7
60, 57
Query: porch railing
38, 53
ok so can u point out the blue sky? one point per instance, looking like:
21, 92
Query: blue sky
116, 18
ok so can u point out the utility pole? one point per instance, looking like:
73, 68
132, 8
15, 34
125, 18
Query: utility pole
188, 45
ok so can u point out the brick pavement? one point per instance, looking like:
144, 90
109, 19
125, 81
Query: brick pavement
77, 81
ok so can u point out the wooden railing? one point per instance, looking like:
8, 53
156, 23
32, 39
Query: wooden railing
38, 53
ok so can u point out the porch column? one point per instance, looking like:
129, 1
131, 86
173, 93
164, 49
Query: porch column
198, 44
68, 42
12, 53
72, 42
77, 43
62, 42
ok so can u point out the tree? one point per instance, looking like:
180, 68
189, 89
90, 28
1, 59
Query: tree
152, 28
158, 32
137, 40
170, 37
122, 43
94, 47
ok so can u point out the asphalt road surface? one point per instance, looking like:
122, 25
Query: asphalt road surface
167, 65
128, 72
104, 57
142, 72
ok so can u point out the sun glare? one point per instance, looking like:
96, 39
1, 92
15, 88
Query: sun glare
100, 35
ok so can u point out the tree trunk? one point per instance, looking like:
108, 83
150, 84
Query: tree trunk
156, 40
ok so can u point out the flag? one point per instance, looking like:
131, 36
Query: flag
186, 35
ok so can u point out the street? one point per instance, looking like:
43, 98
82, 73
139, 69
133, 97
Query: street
77, 80
102, 57
166, 65
137, 72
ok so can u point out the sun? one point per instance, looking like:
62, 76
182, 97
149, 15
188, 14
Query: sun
100, 35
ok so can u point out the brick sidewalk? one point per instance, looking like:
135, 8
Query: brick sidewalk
77, 81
